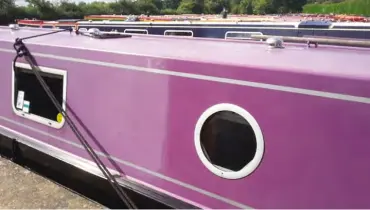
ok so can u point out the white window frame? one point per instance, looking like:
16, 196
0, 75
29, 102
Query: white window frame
218, 170
33, 117
169, 31
131, 29
242, 32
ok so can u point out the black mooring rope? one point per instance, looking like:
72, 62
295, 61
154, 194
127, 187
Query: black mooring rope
22, 51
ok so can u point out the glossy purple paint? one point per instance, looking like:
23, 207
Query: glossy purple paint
316, 149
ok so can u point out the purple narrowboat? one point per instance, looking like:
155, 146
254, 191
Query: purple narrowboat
211, 123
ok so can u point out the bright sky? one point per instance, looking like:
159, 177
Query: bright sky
20, 2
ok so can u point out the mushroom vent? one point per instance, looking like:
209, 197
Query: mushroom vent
275, 42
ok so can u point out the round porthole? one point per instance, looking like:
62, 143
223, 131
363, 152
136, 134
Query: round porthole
229, 141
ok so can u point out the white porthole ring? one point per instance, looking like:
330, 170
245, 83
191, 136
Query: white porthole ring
253, 164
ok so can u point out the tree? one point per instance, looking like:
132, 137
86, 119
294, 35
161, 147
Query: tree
214, 6
6, 11
96, 8
146, 6
124, 7
69, 10
191, 7
171, 4
45, 9
6, 6
261, 6
234, 6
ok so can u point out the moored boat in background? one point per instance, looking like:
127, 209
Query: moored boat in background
234, 27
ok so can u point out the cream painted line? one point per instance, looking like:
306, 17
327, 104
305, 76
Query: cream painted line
302, 91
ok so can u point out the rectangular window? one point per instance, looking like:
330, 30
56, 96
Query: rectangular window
241, 35
135, 31
30, 99
178, 33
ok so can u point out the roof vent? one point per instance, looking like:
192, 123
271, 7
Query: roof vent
94, 31
275, 42
83, 30
314, 24
14, 26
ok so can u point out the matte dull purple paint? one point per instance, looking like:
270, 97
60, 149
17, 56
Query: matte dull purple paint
316, 148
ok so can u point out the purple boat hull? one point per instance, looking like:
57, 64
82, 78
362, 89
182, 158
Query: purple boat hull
143, 111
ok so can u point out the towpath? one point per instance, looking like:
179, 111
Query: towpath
21, 188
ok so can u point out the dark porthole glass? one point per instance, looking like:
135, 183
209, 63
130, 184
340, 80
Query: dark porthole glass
228, 141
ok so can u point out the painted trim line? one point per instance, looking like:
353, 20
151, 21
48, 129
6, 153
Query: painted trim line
302, 91
132, 165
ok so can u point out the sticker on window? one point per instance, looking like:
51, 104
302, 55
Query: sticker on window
26, 106
20, 99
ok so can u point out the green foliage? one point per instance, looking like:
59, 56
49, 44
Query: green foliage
64, 9
214, 6
356, 7
7, 8
168, 11
44, 9
186, 7
191, 7
69, 10
147, 6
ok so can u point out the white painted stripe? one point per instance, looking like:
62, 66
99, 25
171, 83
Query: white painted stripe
132, 165
323, 94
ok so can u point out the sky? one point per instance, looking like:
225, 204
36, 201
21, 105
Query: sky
20, 2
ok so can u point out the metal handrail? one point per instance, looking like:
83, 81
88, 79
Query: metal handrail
316, 40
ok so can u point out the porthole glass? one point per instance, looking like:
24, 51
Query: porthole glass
229, 141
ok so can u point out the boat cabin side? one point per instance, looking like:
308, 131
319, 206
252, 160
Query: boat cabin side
183, 112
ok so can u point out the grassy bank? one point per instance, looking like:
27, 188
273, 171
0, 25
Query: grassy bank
356, 7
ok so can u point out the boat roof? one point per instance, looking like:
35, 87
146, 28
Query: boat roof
187, 22
68, 20
272, 17
326, 60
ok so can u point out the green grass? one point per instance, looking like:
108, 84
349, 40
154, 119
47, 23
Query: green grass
356, 7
